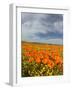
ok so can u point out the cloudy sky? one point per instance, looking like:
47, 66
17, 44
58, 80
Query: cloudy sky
45, 28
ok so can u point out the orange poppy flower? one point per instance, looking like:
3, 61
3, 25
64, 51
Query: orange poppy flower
50, 64
45, 60
38, 60
31, 59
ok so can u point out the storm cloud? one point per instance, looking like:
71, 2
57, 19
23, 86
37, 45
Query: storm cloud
39, 27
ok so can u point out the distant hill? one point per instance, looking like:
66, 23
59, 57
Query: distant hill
40, 43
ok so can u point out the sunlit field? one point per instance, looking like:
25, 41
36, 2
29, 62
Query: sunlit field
40, 59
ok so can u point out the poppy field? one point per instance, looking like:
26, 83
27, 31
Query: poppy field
40, 59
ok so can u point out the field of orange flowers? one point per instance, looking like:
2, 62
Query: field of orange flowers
41, 59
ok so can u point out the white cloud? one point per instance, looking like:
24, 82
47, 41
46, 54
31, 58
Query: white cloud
59, 26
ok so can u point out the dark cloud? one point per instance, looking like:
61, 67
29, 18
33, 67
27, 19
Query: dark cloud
27, 17
53, 18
